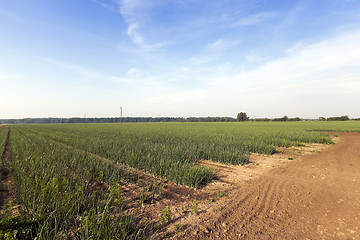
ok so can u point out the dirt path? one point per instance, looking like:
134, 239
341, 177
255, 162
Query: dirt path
313, 197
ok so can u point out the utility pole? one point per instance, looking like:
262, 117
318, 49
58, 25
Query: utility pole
120, 115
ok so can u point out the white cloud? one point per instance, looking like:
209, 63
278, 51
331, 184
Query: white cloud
139, 41
215, 44
128, 7
132, 71
133, 12
306, 82
332, 56
319, 75
135, 36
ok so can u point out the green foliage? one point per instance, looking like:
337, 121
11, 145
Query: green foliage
342, 118
17, 227
241, 117
195, 207
222, 194
3, 137
171, 149
166, 215
178, 227
61, 186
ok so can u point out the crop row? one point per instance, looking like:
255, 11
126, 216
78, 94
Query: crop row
171, 149
3, 137
55, 186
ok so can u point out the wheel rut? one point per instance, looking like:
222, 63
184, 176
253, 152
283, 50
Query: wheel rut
316, 196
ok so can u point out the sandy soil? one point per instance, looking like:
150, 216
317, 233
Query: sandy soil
313, 196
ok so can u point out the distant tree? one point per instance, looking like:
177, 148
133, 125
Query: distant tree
283, 119
241, 117
342, 118
262, 119
322, 119
294, 119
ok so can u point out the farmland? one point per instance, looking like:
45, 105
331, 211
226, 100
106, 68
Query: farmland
69, 178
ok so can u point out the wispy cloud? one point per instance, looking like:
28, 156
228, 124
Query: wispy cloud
111, 6
255, 19
135, 36
132, 11
221, 45
332, 65
132, 71
291, 17
128, 7
215, 44
312, 76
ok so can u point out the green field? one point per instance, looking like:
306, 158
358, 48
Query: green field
55, 168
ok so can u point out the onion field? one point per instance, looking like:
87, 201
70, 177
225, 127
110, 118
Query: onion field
171, 150
68, 177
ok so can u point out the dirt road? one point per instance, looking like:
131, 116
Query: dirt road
313, 197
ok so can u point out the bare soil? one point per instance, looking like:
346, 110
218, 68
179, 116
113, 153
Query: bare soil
309, 192
298, 193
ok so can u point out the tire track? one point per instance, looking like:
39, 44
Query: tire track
314, 197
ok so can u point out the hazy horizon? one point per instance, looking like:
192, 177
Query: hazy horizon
173, 58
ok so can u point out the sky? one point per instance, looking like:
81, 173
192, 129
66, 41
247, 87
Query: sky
179, 58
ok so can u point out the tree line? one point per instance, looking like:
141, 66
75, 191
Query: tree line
241, 117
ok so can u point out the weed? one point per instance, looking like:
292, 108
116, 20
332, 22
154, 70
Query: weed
195, 207
178, 227
115, 196
166, 215
144, 197
222, 194
17, 227
166, 234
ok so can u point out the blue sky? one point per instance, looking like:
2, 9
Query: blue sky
75, 58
